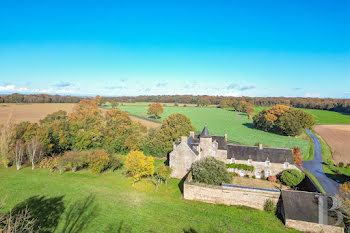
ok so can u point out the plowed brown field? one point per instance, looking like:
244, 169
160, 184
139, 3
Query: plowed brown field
338, 138
35, 112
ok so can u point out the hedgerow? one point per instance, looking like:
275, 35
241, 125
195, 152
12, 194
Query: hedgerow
240, 166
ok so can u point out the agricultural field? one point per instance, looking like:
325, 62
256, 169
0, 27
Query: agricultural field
108, 203
220, 121
323, 116
31, 112
338, 138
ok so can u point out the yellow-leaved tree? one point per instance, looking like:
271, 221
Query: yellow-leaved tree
138, 165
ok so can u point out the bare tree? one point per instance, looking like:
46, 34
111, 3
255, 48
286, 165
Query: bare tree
34, 150
19, 153
5, 140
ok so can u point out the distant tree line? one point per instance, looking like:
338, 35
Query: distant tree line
39, 98
338, 105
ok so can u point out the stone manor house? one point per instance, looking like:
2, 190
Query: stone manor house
267, 161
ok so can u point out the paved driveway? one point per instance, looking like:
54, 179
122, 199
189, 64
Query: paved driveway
315, 167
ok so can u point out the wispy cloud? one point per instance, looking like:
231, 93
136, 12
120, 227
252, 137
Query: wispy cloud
12, 88
162, 84
297, 88
62, 84
115, 87
235, 86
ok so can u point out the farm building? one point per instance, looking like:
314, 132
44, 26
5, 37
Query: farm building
266, 161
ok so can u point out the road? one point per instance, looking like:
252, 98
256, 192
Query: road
315, 167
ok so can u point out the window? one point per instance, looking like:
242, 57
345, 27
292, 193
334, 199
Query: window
250, 161
241, 172
232, 160
267, 173
286, 165
258, 175
267, 163
214, 144
214, 153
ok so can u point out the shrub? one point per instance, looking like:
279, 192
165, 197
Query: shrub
208, 170
246, 176
138, 165
163, 172
76, 159
348, 165
240, 166
254, 177
292, 177
115, 162
176, 104
233, 174
340, 164
269, 206
48, 162
62, 163
272, 179
98, 161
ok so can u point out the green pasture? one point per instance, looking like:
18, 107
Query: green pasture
323, 116
82, 202
220, 121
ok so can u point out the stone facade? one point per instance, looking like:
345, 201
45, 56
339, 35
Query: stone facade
251, 197
271, 161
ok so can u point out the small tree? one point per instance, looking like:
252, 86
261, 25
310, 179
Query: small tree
297, 156
6, 140
19, 153
98, 100
114, 103
138, 165
249, 110
163, 173
344, 196
34, 150
155, 109
292, 177
208, 170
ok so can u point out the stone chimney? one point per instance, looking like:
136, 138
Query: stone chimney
260, 146
192, 134
183, 139
226, 136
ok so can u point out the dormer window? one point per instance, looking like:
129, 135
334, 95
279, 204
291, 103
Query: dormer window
215, 144
233, 160
250, 161
286, 165
267, 163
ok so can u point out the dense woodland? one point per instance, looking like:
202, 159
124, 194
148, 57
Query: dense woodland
338, 105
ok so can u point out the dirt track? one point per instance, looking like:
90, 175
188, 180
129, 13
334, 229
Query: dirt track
338, 138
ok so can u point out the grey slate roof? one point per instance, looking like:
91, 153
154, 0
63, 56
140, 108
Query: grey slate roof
274, 155
222, 144
205, 133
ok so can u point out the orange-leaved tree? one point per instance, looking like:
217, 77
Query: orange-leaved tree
297, 157
155, 109
138, 165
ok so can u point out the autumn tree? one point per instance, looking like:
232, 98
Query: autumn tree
34, 151
155, 109
249, 109
98, 100
6, 140
203, 102
114, 103
138, 165
344, 196
297, 156
19, 153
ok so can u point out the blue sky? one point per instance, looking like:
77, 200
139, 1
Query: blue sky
113, 48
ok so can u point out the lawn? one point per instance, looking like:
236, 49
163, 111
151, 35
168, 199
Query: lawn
220, 121
108, 203
323, 116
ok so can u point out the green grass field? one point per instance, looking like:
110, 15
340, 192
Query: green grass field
323, 116
220, 121
61, 200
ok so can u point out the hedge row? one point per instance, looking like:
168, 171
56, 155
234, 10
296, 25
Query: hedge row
240, 166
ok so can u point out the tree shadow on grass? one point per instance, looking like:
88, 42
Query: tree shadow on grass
79, 215
118, 229
46, 211
250, 125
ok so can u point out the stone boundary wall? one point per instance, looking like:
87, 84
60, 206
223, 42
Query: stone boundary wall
229, 194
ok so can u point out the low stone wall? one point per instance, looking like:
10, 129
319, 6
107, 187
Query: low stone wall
312, 227
229, 195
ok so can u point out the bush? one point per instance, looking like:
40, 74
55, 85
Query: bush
348, 165
115, 162
48, 162
269, 206
138, 165
292, 177
240, 166
233, 174
62, 163
98, 161
208, 170
340, 164
272, 179
76, 159
246, 176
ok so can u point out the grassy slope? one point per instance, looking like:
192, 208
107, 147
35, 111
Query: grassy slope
323, 116
139, 209
237, 125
